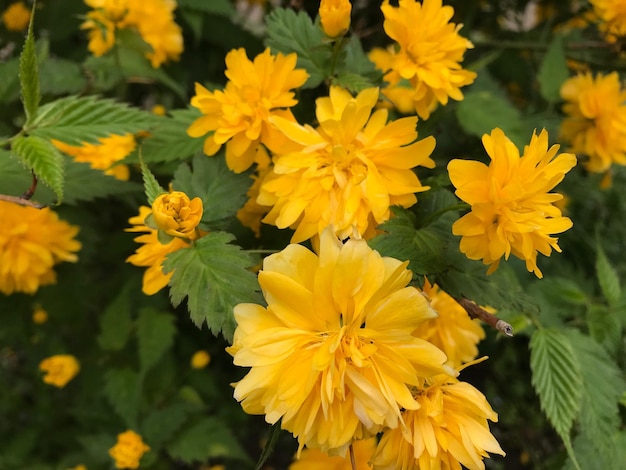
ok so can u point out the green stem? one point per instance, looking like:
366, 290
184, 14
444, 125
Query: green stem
338, 45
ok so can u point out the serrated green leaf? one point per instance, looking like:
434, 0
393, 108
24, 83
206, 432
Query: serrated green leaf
607, 278
208, 438
213, 275
155, 332
75, 120
162, 424
222, 191
269, 446
352, 82
605, 327
289, 32
121, 388
557, 378
589, 457
115, 322
29, 73
60, 77
151, 186
553, 70
43, 159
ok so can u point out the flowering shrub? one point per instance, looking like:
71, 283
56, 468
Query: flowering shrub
243, 234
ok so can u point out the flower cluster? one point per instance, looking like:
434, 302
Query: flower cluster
128, 450
32, 241
59, 369
612, 15
153, 21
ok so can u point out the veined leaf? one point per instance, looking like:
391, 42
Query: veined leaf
115, 322
150, 184
121, 387
155, 332
213, 275
43, 159
162, 424
352, 82
289, 32
553, 70
607, 277
29, 74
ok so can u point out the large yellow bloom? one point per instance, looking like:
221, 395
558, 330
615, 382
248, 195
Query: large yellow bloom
315, 459
335, 17
128, 450
152, 253
59, 369
612, 14
430, 51
348, 171
596, 119
104, 155
332, 355
32, 241
450, 429
239, 115
16, 17
512, 208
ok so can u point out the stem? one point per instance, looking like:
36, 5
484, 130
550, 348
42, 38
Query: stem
21, 202
263, 252
30, 191
336, 50
352, 458
474, 311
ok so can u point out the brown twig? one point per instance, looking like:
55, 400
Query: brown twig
30, 191
475, 311
21, 201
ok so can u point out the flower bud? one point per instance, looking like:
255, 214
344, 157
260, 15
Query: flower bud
335, 17
176, 215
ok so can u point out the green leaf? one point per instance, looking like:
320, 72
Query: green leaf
115, 322
151, 186
222, 191
559, 291
162, 424
208, 438
155, 332
213, 275
121, 388
61, 76
607, 277
215, 7
557, 378
43, 159
605, 327
589, 457
75, 120
289, 32
352, 82
10, 83
29, 73
269, 446
553, 70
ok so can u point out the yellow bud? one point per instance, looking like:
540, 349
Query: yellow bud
335, 17
176, 215
59, 369
200, 360
40, 316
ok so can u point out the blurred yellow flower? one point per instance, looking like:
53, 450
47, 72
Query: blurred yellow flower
128, 450
200, 360
449, 429
16, 17
59, 369
152, 253
612, 15
252, 212
335, 17
398, 91
348, 171
104, 155
315, 459
238, 116
159, 110
453, 331
512, 208
595, 122
177, 215
40, 316
32, 241
78, 467
430, 50
332, 355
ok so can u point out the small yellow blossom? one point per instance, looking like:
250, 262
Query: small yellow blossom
159, 110
59, 369
104, 155
398, 91
128, 450
238, 116
512, 208
177, 215
335, 17
430, 51
612, 15
315, 459
32, 241
40, 316
345, 317
200, 360
348, 171
448, 430
16, 17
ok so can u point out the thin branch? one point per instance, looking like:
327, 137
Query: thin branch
30, 191
21, 201
475, 311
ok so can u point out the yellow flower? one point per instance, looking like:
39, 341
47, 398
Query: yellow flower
430, 51
16, 17
128, 450
79, 467
252, 212
453, 331
335, 17
159, 110
348, 171
32, 241
332, 355
59, 369
239, 115
103, 156
200, 360
512, 208
398, 91
315, 459
450, 429
595, 123
176, 215
152, 253
40, 316
612, 14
